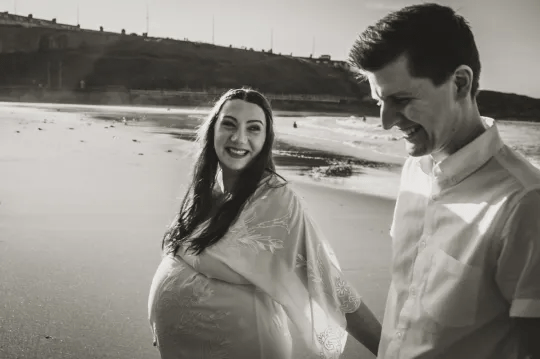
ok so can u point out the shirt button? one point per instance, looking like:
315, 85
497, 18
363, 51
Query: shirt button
413, 292
422, 244
399, 335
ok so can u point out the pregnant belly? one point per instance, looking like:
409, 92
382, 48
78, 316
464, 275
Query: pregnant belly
193, 315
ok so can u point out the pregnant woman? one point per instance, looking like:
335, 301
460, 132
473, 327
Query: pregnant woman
243, 258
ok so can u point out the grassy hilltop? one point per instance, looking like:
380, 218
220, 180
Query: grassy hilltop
138, 63
135, 62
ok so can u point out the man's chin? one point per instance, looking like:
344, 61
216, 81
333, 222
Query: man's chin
415, 150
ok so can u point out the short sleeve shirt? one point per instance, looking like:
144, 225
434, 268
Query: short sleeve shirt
466, 254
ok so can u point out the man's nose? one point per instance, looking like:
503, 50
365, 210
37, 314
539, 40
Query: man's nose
389, 117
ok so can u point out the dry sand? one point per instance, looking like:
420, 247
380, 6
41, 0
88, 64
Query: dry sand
81, 219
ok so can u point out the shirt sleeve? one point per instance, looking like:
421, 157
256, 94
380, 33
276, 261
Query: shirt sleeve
284, 254
518, 267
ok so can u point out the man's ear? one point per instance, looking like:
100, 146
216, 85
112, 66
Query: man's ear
463, 79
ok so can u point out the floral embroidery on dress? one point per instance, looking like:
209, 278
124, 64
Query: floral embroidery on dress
301, 261
330, 341
316, 270
245, 233
243, 236
348, 299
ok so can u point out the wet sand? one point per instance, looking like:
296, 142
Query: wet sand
83, 206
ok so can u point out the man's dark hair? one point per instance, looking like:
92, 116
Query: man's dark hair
434, 38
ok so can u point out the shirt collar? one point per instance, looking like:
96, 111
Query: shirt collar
467, 160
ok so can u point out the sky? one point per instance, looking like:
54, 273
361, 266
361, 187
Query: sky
506, 31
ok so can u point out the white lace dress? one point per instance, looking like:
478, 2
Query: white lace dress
237, 298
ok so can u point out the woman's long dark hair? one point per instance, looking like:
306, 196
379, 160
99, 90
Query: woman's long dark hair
198, 201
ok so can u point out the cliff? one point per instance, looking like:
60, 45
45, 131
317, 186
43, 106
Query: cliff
59, 58
145, 63
509, 106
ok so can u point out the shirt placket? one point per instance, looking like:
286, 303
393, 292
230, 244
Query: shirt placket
418, 273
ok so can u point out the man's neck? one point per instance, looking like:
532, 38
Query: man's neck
471, 129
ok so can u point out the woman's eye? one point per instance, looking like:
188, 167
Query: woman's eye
227, 124
255, 128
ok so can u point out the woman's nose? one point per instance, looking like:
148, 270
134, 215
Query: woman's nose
239, 136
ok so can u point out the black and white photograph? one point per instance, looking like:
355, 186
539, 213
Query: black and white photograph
288, 179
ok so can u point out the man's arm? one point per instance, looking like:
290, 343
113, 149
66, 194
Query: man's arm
529, 333
518, 271
364, 327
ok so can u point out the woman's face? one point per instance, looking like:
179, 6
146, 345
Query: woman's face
239, 134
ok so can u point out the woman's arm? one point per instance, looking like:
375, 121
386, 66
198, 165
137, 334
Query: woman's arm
364, 327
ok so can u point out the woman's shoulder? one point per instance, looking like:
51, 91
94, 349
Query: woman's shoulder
274, 184
278, 191
273, 180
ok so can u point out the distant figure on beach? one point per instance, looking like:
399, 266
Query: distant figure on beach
466, 227
364, 118
243, 256
295, 125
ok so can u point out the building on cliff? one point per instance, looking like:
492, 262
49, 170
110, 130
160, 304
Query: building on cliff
28, 34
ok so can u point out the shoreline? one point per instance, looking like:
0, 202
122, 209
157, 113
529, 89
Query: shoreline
201, 109
278, 105
294, 156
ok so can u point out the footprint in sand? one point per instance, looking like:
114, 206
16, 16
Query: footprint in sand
40, 129
137, 141
141, 154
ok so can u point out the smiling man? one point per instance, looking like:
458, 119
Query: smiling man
466, 229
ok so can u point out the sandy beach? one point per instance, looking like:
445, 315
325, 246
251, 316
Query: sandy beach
83, 206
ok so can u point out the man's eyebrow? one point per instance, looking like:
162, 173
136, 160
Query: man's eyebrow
377, 96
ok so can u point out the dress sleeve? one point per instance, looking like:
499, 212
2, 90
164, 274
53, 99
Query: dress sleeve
518, 267
277, 247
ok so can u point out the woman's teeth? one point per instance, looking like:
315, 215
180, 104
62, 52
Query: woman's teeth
237, 152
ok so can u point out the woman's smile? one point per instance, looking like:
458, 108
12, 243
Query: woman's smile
235, 152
